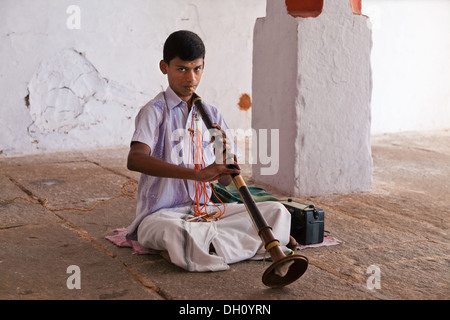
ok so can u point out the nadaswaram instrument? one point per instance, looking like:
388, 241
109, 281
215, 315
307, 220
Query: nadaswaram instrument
284, 269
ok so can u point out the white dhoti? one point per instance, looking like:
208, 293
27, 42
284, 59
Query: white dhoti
234, 237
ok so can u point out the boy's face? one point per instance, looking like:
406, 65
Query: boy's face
183, 75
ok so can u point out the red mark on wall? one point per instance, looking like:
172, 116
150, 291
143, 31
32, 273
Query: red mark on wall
304, 8
245, 102
313, 8
356, 6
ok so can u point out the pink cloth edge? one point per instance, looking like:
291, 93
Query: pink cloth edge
120, 240
327, 241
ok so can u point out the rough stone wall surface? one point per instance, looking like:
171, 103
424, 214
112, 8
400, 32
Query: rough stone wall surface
71, 103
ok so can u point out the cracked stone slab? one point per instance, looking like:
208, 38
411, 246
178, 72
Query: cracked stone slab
20, 212
68, 183
407, 263
243, 281
77, 185
34, 262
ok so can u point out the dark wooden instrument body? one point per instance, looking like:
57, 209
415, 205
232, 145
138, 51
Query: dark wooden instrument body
298, 263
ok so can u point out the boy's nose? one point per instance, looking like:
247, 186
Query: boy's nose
191, 76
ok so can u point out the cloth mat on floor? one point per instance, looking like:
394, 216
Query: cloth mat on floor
119, 239
327, 241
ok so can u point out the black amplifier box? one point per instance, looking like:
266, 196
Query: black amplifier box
307, 222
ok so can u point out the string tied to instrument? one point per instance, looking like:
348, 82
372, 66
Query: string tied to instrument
201, 197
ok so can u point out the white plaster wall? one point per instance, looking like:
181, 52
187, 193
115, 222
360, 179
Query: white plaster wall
312, 82
123, 40
333, 104
70, 89
410, 63
275, 63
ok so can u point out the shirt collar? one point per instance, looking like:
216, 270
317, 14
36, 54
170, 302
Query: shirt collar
172, 99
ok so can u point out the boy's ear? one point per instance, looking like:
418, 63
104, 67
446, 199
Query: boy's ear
163, 66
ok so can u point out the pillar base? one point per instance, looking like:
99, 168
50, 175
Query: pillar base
312, 83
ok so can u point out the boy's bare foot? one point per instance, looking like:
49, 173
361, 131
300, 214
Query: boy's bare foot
292, 243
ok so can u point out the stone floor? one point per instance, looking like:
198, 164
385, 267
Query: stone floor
399, 229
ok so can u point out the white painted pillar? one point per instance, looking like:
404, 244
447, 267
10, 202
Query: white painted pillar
312, 82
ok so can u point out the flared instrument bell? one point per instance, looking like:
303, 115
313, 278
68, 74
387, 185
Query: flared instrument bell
296, 270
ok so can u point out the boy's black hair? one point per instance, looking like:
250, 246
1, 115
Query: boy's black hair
185, 45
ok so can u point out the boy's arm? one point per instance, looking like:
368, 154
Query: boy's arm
139, 159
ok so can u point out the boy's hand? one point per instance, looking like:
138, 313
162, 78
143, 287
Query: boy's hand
222, 146
216, 171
